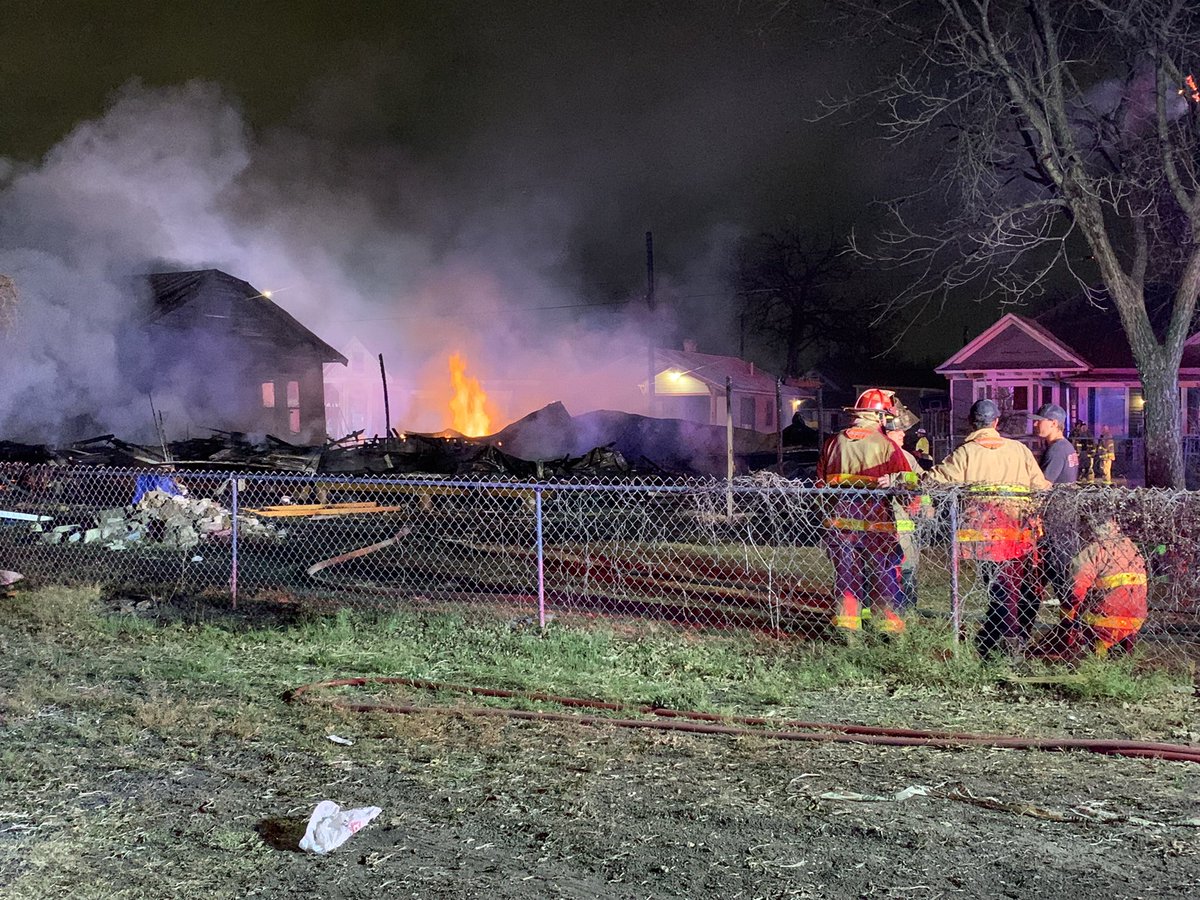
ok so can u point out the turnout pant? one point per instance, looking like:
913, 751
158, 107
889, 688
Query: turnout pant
1012, 607
866, 573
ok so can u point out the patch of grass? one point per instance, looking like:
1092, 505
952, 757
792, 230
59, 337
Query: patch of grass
1117, 679
655, 666
51, 609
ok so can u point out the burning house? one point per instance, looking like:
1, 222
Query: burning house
217, 353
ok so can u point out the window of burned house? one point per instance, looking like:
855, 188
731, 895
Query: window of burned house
293, 403
268, 394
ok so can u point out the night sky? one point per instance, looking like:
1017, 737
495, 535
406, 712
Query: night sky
421, 161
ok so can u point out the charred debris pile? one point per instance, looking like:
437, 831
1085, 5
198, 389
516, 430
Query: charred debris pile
549, 443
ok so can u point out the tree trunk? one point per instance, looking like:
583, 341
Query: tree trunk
1164, 442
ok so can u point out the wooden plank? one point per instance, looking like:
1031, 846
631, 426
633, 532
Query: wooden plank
320, 510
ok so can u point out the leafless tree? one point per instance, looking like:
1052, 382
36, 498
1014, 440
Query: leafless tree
1071, 132
788, 284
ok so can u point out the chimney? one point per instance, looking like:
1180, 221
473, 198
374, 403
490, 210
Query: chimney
689, 346
751, 368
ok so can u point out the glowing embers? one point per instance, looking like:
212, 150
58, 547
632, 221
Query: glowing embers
468, 405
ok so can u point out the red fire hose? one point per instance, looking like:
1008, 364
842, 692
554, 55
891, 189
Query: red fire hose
711, 723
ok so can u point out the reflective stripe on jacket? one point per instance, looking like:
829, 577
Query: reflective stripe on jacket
857, 458
1002, 475
1108, 589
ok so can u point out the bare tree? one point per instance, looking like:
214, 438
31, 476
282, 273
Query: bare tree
1072, 130
788, 286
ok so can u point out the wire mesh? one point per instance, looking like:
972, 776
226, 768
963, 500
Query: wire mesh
1100, 566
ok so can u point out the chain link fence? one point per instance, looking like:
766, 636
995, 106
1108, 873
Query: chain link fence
1071, 571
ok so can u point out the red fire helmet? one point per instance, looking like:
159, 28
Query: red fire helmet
875, 400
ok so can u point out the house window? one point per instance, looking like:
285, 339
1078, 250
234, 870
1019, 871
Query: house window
1108, 410
268, 394
1047, 395
293, 402
1192, 405
747, 412
1137, 412
1020, 398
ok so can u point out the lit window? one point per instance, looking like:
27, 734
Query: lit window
294, 421
293, 394
268, 394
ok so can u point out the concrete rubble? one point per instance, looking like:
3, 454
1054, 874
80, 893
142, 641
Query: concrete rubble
160, 518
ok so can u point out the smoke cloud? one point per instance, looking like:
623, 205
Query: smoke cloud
482, 187
172, 179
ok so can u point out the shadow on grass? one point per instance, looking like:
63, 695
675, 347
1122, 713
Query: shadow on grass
282, 833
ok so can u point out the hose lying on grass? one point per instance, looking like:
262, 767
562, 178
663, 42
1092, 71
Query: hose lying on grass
696, 722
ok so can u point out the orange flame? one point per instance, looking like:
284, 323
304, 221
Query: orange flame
468, 406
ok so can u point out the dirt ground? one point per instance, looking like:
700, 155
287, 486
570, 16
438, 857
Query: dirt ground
112, 790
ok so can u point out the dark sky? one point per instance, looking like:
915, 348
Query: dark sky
672, 115
420, 160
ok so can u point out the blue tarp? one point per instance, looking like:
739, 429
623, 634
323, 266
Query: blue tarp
164, 483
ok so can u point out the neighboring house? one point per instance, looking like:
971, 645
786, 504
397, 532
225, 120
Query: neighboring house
692, 386
1075, 355
216, 353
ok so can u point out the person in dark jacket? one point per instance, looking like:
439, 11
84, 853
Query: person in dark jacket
799, 434
1060, 464
1060, 460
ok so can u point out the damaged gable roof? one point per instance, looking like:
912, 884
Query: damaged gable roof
210, 297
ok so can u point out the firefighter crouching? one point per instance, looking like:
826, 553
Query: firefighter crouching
861, 531
997, 523
1107, 603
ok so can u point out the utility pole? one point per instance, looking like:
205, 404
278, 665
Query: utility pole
650, 367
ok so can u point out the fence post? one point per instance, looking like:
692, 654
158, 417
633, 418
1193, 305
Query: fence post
955, 600
541, 568
233, 518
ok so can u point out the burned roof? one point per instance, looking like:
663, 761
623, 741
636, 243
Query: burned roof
184, 300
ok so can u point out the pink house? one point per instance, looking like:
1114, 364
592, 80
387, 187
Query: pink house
1075, 355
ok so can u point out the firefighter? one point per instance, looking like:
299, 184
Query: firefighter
1106, 454
996, 528
922, 451
1082, 436
1107, 603
907, 508
861, 531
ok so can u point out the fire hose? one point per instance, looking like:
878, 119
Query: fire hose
696, 722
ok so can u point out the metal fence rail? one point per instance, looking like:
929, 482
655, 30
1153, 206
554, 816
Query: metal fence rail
754, 553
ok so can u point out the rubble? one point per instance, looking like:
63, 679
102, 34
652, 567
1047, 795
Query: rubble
160, 518
547, 443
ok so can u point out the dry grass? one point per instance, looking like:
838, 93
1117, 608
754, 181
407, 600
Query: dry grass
150, 757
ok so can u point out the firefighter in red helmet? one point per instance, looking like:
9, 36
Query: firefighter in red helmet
861, 531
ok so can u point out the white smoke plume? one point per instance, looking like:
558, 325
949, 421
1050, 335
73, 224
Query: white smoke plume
362, 245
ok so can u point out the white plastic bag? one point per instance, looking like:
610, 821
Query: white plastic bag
331, 826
